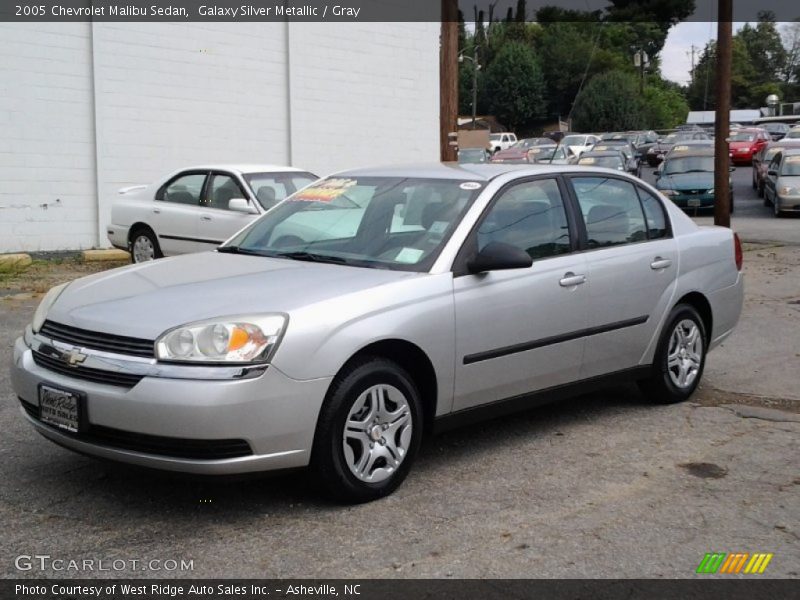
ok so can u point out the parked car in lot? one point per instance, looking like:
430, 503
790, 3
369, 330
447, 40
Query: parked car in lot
745, 142
776, 131
520, 150
782, 183
687, 179
579, 143
463, 292
658, 150
197, 208
554, 155
501, 141
608, 159
473, 155
762, 158
623, 146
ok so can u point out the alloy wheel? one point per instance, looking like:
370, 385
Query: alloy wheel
143, 249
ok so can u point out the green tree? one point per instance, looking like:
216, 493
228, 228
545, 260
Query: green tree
513, 86
609, 102
766, 54
664, 106
702, 89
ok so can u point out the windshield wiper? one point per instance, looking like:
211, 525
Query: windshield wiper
696, 171
239, 250
312, 257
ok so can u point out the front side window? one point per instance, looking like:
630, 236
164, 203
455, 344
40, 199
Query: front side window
185, 189
221, 190
530, 216
378, 222
271, 188
611, 211
791, 166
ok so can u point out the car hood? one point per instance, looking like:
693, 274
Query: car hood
687, 181
145, 300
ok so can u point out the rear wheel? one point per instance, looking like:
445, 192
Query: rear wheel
680, 358
368, 432
144, 245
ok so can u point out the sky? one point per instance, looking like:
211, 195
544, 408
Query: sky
676, 59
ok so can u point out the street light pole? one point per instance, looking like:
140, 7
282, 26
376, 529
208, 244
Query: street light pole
474, 83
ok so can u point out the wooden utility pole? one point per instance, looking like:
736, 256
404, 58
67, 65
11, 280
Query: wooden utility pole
722, 122
448, 79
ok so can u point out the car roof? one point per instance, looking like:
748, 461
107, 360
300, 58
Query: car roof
244, 168
450, 170
602, 153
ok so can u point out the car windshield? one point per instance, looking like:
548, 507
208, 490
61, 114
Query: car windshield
743, 136
271, 188
378, 222
689, 164
791, 165
794, 133
472, 155
609, 162
574, 140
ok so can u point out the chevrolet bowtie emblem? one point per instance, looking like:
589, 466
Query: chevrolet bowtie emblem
73, 358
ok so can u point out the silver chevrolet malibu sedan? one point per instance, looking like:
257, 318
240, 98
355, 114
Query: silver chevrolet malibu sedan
374, 306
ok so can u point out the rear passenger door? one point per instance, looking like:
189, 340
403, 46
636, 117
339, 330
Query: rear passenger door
518, 330
631, 268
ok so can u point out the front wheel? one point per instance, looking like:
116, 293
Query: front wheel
680, 358
368, 432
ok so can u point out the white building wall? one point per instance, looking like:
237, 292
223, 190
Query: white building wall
88, 108
47, 175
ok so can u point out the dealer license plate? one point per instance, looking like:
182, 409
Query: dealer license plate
59, 408
694, 202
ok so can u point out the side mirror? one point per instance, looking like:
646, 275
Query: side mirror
242, 205
497, 256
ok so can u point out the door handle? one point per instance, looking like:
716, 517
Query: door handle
660, 263
570, 279
157, 211
205, 217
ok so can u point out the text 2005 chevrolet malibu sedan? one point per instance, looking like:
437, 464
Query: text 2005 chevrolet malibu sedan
373, 306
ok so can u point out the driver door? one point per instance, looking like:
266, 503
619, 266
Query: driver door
517, 330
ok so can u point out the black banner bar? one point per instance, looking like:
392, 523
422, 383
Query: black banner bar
323, 10
404, 589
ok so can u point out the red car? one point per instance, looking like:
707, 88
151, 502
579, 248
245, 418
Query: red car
523, 150
744, 143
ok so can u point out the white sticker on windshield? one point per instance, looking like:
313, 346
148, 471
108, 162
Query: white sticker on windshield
438, 227
470, 185
409, 255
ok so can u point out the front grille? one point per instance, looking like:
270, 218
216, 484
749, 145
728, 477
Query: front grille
155, 444
118, 344
86, 373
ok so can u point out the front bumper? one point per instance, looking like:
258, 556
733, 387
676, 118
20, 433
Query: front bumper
274, 414
787, 203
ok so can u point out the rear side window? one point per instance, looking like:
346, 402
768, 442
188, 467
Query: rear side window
530, 216
185, 189
611, 211
654, 215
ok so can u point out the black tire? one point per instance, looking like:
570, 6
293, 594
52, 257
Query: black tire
144, 232
659, 387
328, 456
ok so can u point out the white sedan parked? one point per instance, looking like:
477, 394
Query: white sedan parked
198, 208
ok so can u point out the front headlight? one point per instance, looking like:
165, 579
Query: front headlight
711, 191
247, 339
45, 305
669, 192
788, 191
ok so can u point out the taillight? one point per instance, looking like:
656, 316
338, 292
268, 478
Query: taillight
737, 251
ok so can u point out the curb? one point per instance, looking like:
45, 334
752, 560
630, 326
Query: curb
15, 262
104, 255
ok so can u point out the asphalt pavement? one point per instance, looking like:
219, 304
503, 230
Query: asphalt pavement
604, 485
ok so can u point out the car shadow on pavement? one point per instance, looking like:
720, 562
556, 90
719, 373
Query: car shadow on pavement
131, 490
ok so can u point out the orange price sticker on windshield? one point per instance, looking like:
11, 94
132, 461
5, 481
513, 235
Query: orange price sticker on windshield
324, 191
